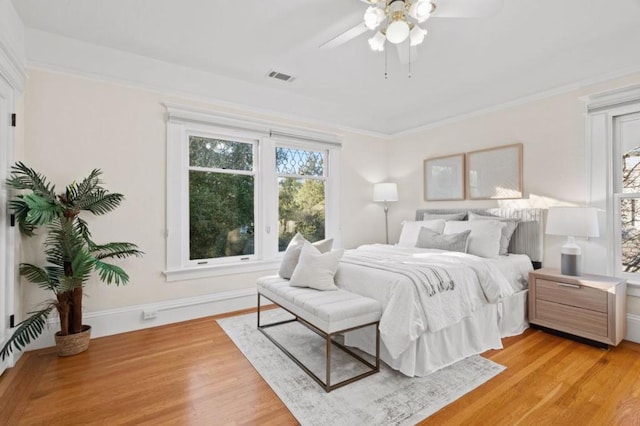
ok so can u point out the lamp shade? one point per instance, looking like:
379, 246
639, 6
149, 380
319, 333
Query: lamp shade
385, 192
573, 221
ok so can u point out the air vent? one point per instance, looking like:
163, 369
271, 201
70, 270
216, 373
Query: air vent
280, 76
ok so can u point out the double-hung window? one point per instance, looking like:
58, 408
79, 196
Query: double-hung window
239, 190
626, 187
613, 167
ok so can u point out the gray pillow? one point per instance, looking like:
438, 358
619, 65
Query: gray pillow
292, 254
449, 216
507, 231
451, 242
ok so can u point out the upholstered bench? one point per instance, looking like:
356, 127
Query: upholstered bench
328, 313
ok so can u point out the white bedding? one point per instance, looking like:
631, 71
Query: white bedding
410, 313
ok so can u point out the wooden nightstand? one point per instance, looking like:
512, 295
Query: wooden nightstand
590, 306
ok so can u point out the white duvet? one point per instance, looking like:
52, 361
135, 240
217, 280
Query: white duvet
396, 277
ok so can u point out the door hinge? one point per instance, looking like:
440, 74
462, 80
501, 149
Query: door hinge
12, 321
12, 220
13, 120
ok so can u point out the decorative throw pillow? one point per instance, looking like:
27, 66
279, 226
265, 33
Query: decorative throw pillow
507, 231
445, 216
292, 254
452, 242
410, 231
484, 240
315, 269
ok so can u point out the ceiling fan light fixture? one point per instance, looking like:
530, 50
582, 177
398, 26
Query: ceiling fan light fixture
416, 36
398, 31
377, 42
421, 10
373, 17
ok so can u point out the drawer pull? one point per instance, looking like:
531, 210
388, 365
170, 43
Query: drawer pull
569, 285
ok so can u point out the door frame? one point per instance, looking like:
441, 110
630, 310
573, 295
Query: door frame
7, 233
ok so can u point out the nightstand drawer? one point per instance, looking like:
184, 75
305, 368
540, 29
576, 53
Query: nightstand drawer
572, 294
571, 319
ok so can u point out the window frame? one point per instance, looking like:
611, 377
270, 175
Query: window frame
324, 178
194, 263
601, 111
618, 193
183, 121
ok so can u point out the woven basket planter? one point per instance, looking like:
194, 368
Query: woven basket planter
73, 343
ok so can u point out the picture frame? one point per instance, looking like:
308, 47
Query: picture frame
495, 173
444, 178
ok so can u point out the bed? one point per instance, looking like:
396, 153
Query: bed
439, 306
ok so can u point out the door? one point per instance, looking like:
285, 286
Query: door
7, 234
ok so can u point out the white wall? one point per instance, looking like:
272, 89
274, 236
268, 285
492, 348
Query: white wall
552, 130
75, 124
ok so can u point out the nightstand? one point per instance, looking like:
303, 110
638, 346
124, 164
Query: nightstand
592, 307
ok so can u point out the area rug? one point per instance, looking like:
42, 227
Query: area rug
385, 398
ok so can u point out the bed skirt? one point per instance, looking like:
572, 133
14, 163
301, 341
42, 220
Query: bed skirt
478, 333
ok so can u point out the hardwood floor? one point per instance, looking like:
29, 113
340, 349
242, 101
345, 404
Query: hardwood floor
192, 374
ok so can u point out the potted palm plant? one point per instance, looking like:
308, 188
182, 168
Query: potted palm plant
71, 254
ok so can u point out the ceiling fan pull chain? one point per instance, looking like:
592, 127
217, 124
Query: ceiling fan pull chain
409, 60
386, 74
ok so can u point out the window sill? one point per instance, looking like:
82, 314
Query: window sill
221, 270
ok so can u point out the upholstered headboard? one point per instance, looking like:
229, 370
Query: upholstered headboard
528, 236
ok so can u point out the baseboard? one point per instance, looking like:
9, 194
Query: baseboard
633, 328
131, 318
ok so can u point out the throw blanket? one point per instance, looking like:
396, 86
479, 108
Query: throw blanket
425, 290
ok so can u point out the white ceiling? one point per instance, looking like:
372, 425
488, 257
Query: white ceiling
464, 65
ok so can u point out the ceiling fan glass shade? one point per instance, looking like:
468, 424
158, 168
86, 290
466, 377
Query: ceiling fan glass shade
397, 31
373, 17
420, 10
417, 35
377, 42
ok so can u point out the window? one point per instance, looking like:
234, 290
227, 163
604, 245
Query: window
612, 144
301, 194
239, 190
221, 198
626, 189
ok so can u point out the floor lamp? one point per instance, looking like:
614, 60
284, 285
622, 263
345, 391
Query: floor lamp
385, 192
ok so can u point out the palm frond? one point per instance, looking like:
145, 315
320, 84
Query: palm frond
82, 227
100, 202
42, 210
82, 265
68, 284
88, 185
109, 273
118, 250
27, 331
21, 210
37, 275
23, 177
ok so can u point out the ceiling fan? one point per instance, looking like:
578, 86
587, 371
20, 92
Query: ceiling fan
399, 22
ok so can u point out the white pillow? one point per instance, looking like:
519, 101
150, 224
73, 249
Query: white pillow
315, 269
411, 230
507, 232
484, 240
292, 254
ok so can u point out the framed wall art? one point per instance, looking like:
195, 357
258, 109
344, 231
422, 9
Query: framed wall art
444, 178
495, 173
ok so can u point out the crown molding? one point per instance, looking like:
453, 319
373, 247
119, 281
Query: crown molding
12, 66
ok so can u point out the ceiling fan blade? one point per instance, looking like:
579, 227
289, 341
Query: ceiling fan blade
406, 52
346, 36
467, 8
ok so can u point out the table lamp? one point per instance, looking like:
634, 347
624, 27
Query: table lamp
572, 222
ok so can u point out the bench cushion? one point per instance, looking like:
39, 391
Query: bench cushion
330, 311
